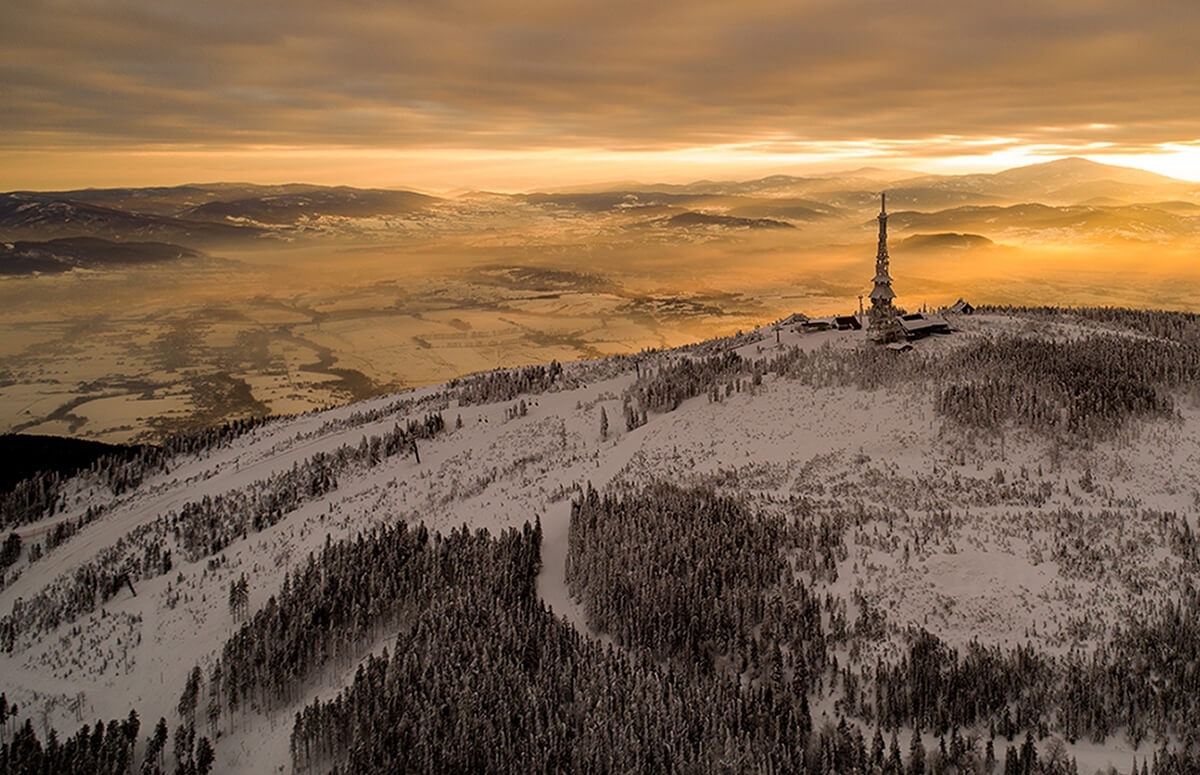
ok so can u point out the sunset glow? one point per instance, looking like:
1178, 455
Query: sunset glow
511, 95
447, 170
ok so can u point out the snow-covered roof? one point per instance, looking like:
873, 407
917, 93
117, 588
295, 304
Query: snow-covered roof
920, 323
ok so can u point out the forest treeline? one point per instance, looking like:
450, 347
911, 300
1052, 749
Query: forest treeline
348, 596
504, 384
1135, 377
1141, 682
201, 529
694, 575
1159, 324
206, 526
664, 388
1080, 389
480, 677
38, 495
1087, 387
26, 455
104, 748
30, 494
1072, 390
689, 575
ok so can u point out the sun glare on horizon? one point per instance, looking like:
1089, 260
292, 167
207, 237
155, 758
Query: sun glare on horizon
444, 170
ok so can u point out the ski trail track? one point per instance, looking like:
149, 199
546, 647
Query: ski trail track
551, 581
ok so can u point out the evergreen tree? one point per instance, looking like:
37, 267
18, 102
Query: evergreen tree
877, 749
184, 763
191, 694
916, 753
1012, 761
204, 756
160, 740
1028, 755
10, 551
894, 766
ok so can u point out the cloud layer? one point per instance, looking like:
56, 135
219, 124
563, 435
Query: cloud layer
1121, 75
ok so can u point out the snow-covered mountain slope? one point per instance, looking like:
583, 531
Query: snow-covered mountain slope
1001, 533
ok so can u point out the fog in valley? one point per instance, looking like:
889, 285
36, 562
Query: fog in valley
309, 302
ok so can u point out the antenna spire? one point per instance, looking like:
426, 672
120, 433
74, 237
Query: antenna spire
884, 326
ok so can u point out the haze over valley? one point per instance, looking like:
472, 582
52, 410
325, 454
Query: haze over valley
127, 314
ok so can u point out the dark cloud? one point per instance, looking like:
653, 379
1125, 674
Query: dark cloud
617, 74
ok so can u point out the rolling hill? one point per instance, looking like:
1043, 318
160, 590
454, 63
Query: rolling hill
67, 253
293, 207
36, 217
1139, 223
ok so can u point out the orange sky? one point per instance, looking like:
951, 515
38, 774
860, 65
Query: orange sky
520, 94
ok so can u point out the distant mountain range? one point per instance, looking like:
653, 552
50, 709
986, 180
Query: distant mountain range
1133, 222
67, 253
292, 207
209, 216
1069, 197
51, 216
1065, 181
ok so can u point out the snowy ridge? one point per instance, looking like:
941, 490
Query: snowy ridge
1003, 536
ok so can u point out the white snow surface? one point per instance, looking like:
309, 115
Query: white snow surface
948, 559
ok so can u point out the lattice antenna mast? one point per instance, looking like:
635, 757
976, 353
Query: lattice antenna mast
884, 326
